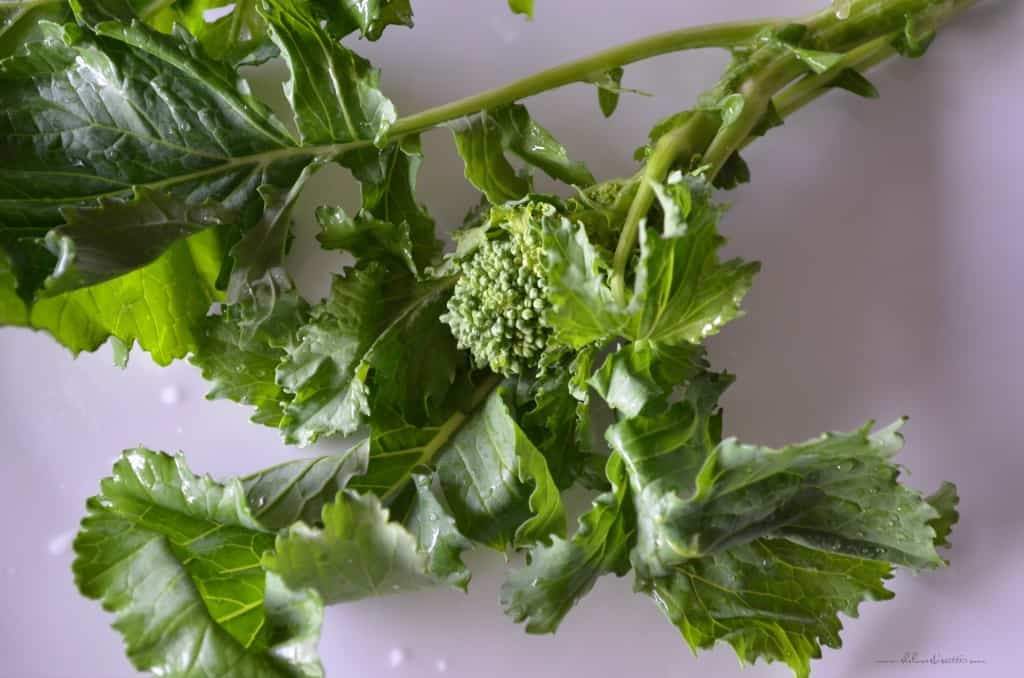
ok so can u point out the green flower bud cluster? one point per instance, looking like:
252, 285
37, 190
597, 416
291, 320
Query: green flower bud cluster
497, 308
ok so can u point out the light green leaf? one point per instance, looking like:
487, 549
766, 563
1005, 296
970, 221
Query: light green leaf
357, 553
333, 91
483, 140
559, 574
639, 374
159, 306
486, 471
177, 558
524, 7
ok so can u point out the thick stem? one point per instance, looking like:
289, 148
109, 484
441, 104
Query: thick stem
582, 70
685, 140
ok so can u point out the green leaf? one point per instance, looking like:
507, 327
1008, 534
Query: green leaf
817, 61
770, 599
370, 17
853, 81
177, 558
239, 350
333, 91
367, 238
12, 309
486, 471
524, 7
559, 574
838, 493
483, 140
20, 21
159, 306
639, 374
298, 490
583, 308
373, 320
436, 534
391, 223
239, 37
96, 244
915, 39
682, 292
357, 553
608, 90
129, 107
944, 501
259, 274
556, 421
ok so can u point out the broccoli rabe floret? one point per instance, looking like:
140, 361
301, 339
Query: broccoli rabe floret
498, 306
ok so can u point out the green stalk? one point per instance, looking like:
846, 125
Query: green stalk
445, 432
865, 35
582, 70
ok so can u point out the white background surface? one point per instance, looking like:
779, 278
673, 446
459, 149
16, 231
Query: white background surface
890, 234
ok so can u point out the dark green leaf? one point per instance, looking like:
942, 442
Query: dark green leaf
608, 91
436, 534
20, 21
558, 574
583, 307
915, 39
374, 320
298, 490
258, 275
483, 140
682, 292
177, 558
129, 107
853, 81
96, 244
486, 471
333, 91
769, 599
370, 17
944, 501
391, 222
240, 349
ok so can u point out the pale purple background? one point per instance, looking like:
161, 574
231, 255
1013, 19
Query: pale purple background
891, 242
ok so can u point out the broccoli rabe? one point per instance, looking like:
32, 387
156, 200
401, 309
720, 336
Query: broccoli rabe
497, 309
